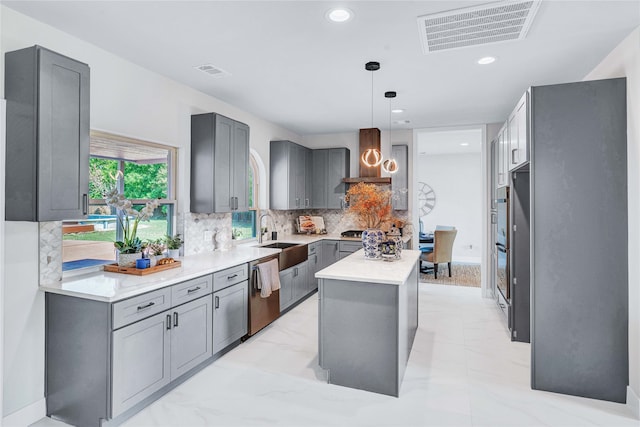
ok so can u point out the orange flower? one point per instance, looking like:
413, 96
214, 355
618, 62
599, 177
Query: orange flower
370, 204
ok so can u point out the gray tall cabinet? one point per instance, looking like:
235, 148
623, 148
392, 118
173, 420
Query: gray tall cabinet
219, 164
579, 239
47, 148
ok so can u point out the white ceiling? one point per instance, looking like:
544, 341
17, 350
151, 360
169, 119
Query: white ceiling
290, 66
449, 141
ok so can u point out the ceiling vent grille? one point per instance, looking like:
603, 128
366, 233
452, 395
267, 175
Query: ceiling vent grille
478, 25
213, 71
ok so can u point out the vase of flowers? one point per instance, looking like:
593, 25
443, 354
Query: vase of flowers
174, 243
371, 206
130, 247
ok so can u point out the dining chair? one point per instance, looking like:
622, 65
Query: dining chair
442, 250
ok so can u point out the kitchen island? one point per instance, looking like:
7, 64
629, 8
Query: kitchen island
367, 320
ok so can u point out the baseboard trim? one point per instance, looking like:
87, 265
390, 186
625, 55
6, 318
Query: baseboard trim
27, 415
633, 403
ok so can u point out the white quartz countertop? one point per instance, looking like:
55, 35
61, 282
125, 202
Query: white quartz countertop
356, 268
111, 287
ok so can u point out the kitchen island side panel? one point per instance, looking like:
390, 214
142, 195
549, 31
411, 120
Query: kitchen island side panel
579, 231
359, 323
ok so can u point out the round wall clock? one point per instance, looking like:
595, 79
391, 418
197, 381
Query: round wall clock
426, 198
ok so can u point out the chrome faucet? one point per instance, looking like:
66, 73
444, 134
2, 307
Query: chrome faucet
260, 225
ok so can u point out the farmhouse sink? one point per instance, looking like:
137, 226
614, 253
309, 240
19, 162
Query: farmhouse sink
292, 253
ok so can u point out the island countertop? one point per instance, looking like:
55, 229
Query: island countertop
111, 287
356, 268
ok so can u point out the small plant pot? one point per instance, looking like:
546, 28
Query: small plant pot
173, 253
128, 260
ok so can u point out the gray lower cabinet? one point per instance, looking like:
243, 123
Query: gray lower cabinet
149, 354
330, 252
230, 315
314, 265
219, 164
400, 180
47, 136
293, 284
105, 361
348, 247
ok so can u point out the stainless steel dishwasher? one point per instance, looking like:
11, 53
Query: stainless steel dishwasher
262, 311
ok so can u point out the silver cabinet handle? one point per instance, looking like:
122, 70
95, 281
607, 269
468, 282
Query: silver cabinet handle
306, 202
168, 322
85, 204
175, 318
217, 302
232, 277
513, 155
196, 289
142, 307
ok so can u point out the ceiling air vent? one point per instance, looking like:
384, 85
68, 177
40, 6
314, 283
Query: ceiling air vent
473, 26
212, 70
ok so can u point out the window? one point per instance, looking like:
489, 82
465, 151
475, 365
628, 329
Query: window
243, 224
142, 171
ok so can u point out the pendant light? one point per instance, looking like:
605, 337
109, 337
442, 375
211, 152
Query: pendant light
372, 157
390, 165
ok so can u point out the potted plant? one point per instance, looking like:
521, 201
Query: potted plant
155, 249
173, 245
130, 247
371, 206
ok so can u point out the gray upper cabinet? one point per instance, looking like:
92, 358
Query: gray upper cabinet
329, 167
47, 136
288, 176
400, 180
518, 134
219, 164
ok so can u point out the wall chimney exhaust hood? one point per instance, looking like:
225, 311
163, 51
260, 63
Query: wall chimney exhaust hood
369, 139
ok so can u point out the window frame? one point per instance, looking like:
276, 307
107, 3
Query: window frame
255, 171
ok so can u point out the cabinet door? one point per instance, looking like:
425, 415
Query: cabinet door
337, 169
315, 265
281, 195
230, 315
512, 131
502, 149
190, 335
400, 179
286, 288
47, 133
240, 171
141, 361
522, 115
330, 252
300, 281
299, 167
319, 179
222, 164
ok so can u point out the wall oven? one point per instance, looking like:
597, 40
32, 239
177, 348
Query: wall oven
502, 242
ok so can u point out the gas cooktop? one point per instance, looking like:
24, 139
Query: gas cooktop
352, 233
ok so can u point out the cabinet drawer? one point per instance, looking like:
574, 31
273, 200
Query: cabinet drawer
191, 289
140, 307
313, 248
349, 246
230, 276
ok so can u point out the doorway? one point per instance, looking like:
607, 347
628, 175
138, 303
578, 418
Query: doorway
450, 191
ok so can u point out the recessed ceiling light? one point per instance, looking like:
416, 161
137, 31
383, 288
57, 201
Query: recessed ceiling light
397, 110
339, 14
464, 144
402, 122
486, 60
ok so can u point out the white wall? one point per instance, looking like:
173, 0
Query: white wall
457, 181
624, 61
125, 99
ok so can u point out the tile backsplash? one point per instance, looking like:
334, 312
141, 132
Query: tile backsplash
193, 227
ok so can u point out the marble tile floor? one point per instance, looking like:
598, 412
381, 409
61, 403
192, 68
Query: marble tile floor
463, 371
